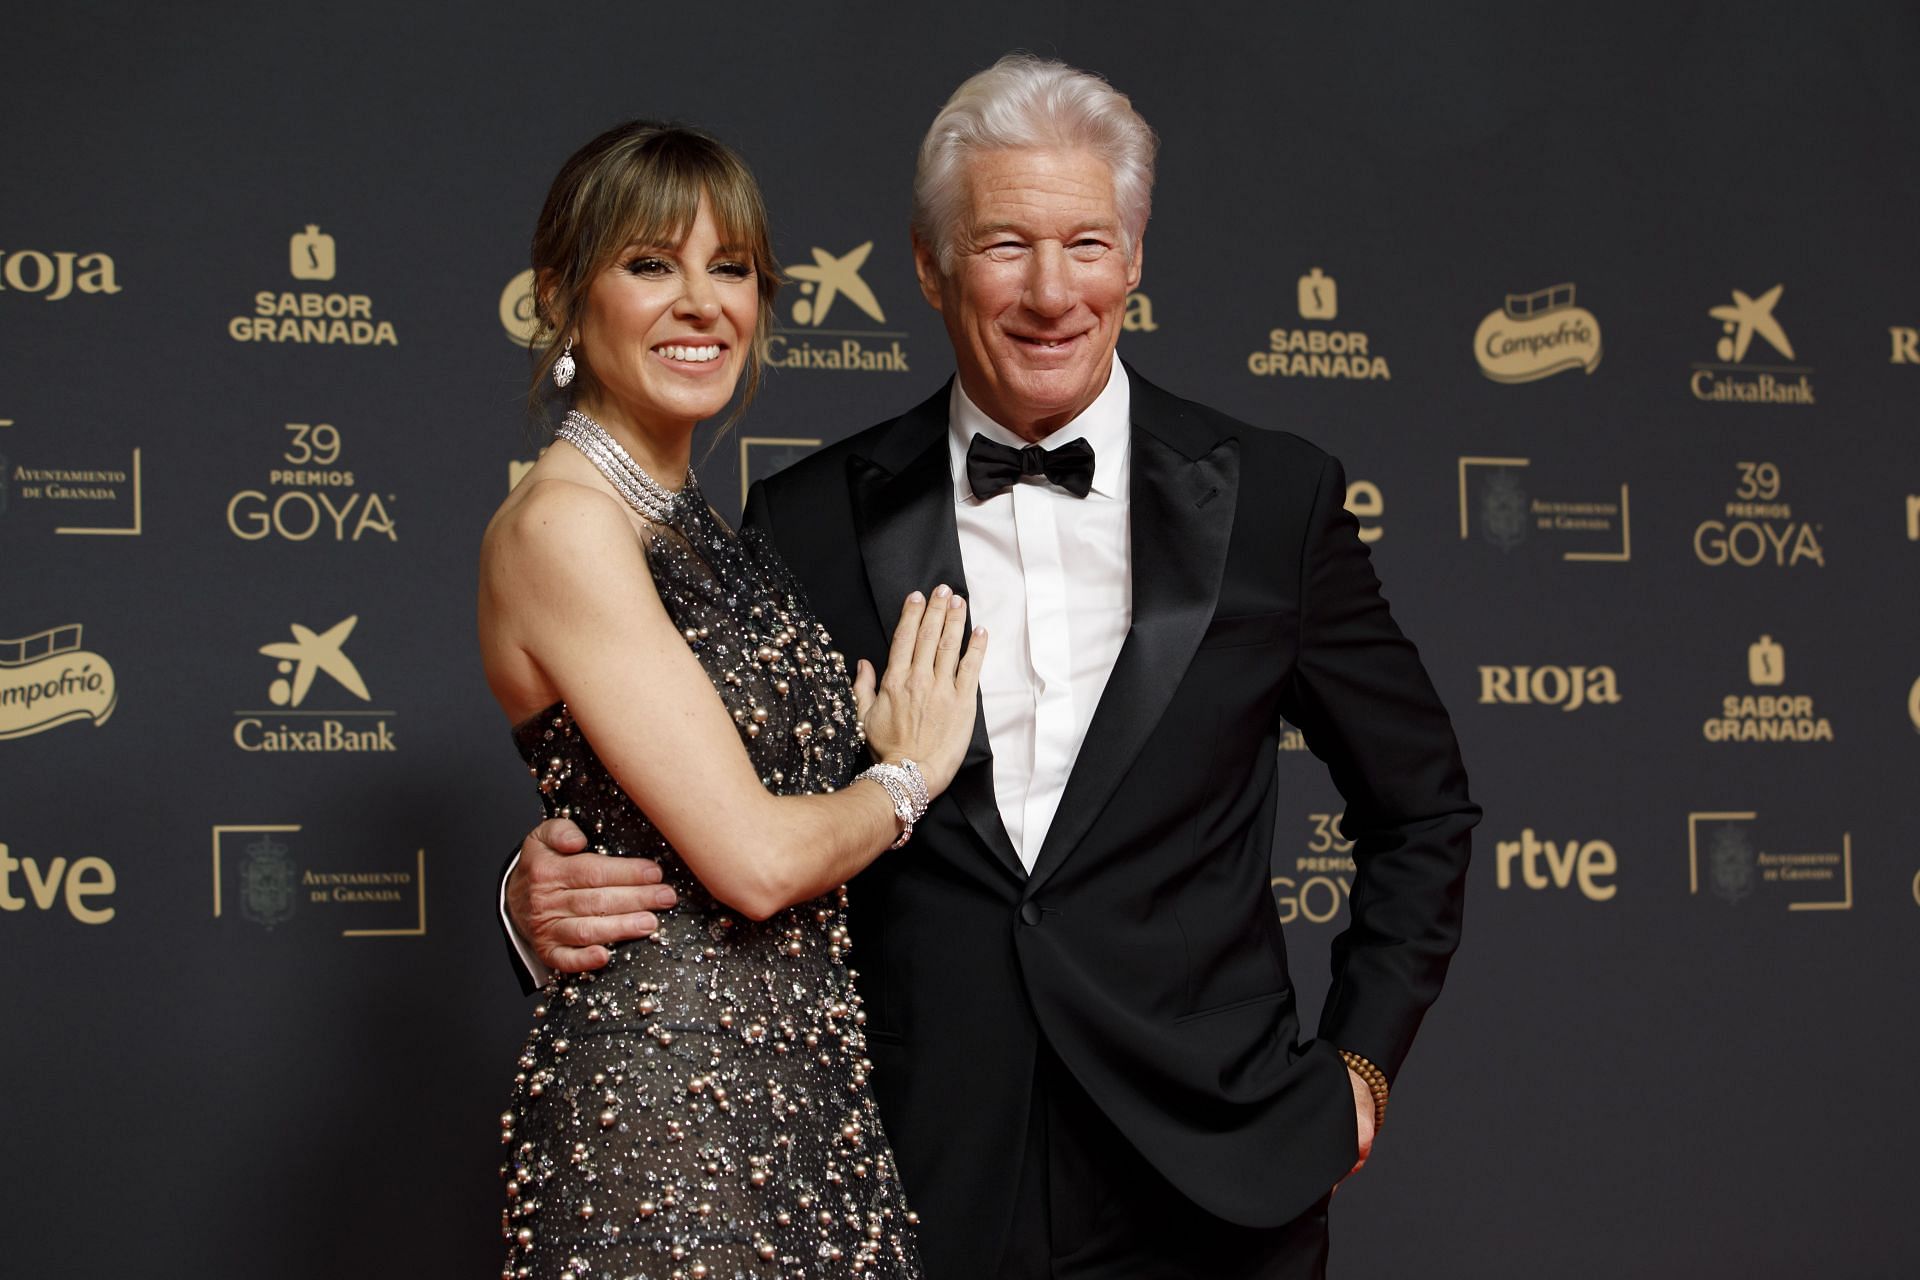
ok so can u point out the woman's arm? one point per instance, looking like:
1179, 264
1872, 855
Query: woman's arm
565, 580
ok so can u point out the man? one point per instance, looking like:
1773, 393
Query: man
1082, 1028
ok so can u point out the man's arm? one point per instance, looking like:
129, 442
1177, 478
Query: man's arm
562, 906
1363, 701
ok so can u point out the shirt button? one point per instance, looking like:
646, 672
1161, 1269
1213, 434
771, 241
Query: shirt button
1029, 913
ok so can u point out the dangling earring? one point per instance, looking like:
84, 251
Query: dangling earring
563, 367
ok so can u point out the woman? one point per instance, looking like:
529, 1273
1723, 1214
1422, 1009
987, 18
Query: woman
698, 1107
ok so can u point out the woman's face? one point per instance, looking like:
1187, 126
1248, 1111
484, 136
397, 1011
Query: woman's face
666, 330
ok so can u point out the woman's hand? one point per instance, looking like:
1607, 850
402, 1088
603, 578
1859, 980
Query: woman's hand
922, 709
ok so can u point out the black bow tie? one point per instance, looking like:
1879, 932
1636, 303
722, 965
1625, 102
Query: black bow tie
992, 468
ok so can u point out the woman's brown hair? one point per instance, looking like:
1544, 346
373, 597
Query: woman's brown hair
639, 181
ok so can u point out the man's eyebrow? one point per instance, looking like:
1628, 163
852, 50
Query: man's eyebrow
998, 228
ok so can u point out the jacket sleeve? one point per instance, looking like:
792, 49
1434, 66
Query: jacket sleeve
1364, 703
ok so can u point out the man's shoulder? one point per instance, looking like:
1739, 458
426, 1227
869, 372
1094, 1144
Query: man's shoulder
1261, 444
827, 465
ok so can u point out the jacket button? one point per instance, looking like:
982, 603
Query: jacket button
1029, 913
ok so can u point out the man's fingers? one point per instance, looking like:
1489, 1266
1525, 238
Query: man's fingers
900, 652
579, 932
574, 959
953, 629
604, 871
933, 620
559, 835
611, 900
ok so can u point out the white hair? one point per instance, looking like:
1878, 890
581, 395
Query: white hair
1019, 102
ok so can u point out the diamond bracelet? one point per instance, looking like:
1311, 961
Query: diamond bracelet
906, 788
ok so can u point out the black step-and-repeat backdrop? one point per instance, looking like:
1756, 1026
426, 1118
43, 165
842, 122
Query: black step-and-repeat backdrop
1615, 322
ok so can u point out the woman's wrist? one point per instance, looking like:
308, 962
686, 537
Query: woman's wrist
905, 788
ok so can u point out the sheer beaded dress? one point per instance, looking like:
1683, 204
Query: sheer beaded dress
699, 1108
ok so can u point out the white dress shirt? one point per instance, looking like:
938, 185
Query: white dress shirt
1051, 579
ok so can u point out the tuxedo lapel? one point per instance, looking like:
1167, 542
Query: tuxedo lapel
903, 500
1185, 484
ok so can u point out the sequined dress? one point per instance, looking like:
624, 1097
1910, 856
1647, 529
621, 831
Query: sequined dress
699, 1108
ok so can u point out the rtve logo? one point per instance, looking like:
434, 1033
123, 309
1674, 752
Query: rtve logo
85, 878
1543, 864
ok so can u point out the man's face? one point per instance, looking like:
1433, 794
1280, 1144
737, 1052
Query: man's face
1039, 285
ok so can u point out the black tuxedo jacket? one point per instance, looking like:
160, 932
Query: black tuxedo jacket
1145, 946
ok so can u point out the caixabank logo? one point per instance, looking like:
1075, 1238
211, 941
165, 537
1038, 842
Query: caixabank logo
834, 287
279, 877
1319, 349
1733, 379
1737, 857
51, 678
310, 493
308, 715
312, 317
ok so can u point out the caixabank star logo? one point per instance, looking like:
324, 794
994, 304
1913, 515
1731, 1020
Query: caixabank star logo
1733, 379
339, 719
833, 287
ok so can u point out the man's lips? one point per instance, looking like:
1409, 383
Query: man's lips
1045, 342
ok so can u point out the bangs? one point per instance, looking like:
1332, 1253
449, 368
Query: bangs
659, 200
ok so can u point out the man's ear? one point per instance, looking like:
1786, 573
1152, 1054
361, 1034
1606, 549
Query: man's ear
926, 266
1139, 262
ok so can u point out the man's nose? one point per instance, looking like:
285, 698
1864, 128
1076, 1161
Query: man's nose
1049, 290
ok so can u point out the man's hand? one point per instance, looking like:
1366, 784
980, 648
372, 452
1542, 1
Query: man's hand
569, 904
1363, 1119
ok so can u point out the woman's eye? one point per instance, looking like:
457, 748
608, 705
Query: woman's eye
649, 267
733, 270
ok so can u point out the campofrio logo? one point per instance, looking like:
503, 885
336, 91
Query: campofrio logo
1536, 335
49, 679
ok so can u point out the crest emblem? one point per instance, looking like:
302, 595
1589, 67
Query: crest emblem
1730, 862
266, 883
1503, 511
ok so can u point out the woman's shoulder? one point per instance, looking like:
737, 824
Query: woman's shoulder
554, 529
